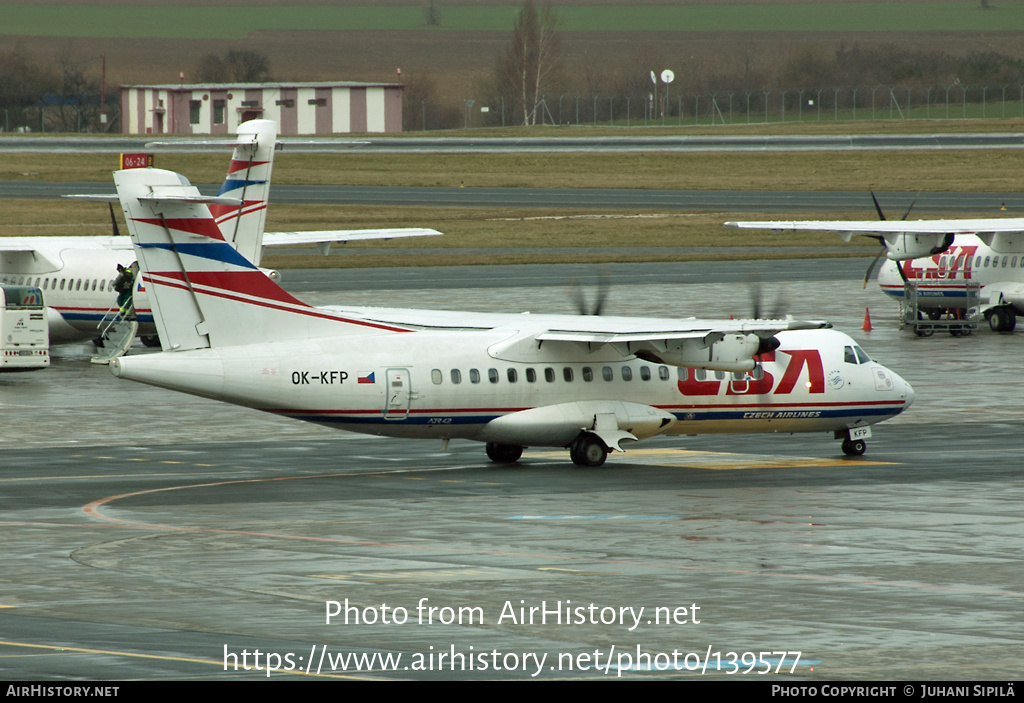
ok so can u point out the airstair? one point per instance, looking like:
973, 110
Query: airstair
960, 321
117, 332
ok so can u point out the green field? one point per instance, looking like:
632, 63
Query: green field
235, 23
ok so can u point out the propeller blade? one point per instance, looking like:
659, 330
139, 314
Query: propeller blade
912, 203
113, 222
878, 208
603, 286
600, 297
874, 263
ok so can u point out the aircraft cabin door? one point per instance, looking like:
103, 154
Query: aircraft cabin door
397, 395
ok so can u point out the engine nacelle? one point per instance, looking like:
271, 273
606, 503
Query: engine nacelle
730, 352
900, 247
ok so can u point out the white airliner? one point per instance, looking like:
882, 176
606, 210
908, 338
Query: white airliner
76, 273
588, 383
942, 257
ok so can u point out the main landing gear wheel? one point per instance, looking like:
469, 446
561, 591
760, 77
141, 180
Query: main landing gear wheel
588, 450
150, 340
503, 453
1002, 319
854, 447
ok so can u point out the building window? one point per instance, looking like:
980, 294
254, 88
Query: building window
218, 111
193, 111
285, 103
318, 102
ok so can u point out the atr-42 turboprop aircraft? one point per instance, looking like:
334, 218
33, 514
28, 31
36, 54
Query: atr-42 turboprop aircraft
76, 273
587, 383
942, 257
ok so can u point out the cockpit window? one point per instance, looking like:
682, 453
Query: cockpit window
855, 355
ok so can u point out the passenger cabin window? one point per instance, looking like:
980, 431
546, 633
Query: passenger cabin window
492, 375
549, 375
645, 373
436, 376
567, 374
588, 374
512, 376
474, 376
531, 375
607, 373
627, 373
663, 373
456, 376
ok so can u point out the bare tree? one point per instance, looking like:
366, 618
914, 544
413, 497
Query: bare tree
248, 66
432, 14
234, 67
211, 69
523, 72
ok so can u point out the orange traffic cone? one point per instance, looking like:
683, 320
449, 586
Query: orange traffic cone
867, 320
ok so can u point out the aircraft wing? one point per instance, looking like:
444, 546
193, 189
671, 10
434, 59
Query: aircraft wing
670, 330
880, 228
327, 237
44, 253
720, 345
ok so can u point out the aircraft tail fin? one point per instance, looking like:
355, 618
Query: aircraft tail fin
248, 181
203, 292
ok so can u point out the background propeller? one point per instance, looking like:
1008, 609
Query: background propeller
881, 239
583, 306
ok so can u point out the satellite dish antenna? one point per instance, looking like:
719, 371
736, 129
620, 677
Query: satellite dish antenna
667, 76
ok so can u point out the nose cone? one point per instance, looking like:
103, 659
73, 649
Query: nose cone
904, 390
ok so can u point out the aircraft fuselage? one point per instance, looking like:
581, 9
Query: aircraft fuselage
481, 385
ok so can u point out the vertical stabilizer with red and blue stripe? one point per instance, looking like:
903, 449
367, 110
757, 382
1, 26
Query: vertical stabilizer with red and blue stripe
203, 292
248, 181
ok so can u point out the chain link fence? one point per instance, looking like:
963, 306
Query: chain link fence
725, 107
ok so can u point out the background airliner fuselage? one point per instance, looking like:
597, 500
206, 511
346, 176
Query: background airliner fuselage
76, 276
942, 279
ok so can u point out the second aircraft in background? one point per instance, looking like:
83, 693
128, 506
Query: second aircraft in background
76, 273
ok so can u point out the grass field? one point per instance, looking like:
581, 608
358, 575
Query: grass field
171, 22
499, 235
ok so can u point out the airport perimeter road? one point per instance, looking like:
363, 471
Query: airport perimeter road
153, 535
586, 198
480, 144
